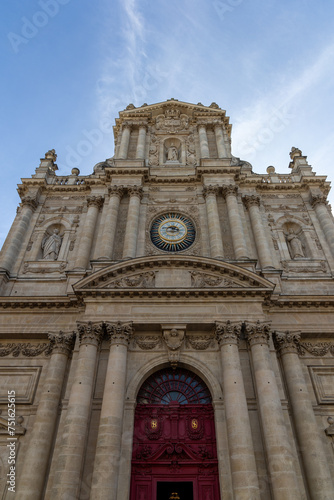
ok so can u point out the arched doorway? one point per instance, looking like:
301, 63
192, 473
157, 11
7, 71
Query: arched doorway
174, 444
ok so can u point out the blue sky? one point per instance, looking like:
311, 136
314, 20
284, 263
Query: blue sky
69, 67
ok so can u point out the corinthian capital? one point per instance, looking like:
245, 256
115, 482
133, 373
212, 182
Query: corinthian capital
90, 333
30, 202
228, 333
61, 342
257, 333
210, 190
119, 333
251, 200
318, 199
135, 191
286, 342
95, 201
230, 190
116, 191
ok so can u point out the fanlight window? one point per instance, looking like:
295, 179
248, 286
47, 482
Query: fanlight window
168, 385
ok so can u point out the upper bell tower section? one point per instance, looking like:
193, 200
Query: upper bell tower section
173, 135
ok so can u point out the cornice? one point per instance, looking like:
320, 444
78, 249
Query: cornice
300, 302
33, 303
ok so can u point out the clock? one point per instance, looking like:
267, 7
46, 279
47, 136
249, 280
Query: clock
172, 232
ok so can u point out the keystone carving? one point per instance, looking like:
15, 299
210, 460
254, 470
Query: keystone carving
119, 333
174, 338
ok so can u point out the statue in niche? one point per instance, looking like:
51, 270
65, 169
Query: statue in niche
172, 154
51, 245
294, 244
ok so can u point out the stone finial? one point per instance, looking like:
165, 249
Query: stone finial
130, 106
214, 105
330, 430
270, 170
295, 152
51, 155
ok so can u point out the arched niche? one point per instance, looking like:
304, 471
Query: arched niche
295, 240
172, 151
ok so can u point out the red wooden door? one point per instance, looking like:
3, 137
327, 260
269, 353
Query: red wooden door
174, 446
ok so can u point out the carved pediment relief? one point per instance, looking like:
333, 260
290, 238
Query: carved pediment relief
173, 274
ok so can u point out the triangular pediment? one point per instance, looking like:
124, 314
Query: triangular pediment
173, 109
163, 274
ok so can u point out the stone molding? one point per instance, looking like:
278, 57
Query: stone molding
61, 342
257, 333
228, 333
251, 200
119, 333
90, 333
95, 201
287, 342
26, 349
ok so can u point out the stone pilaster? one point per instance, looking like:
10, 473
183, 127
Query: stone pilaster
317, 474
131, 230
215, 234
107, 457
241, 449
278, 448
109, 230
11, 252
140, 152
125, 140
36, 460
203, 141
252, 203
94, 204
220, 140
319, 204
238, 238
68, 468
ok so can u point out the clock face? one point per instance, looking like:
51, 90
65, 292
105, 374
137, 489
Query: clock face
172, 232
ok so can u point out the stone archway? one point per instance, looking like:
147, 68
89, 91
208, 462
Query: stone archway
174, 443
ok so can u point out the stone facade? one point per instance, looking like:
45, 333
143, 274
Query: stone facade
91, 306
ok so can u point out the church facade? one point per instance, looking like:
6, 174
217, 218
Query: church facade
166, 326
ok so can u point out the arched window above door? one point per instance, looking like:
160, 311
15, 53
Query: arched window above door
179, 385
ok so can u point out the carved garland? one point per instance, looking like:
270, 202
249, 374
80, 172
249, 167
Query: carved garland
29, 350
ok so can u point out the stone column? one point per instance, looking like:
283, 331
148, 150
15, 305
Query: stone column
94, 204
125, 140
279, 453
109, 230
215, 234
67, 478
140, 153
238, 237
317, 474
16, 237
319, 203
108, 448
241, 450
203, 142
131, 230
253, 203
220, 141
36, 460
